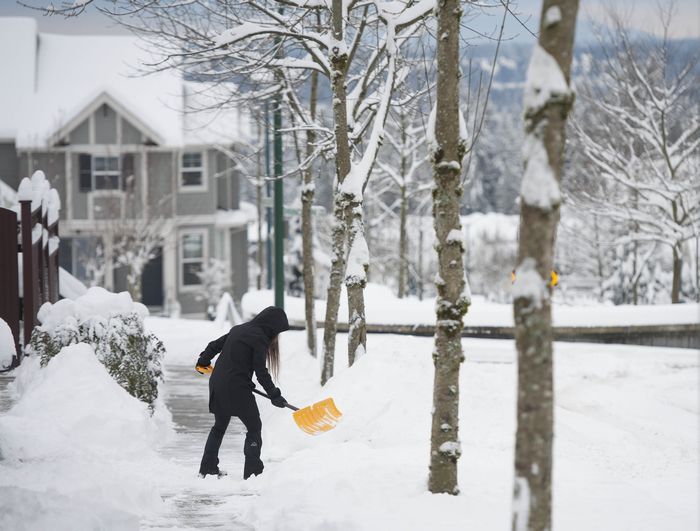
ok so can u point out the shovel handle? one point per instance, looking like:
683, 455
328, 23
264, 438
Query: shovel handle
290, 406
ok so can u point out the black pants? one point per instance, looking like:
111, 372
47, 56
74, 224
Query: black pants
251, 447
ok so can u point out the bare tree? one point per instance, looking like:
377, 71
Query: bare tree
406, 141
547, 102
640, 132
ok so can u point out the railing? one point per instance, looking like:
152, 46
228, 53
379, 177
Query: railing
36, 237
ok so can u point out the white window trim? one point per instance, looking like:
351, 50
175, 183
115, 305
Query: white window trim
181, 255
118, 171
204, 169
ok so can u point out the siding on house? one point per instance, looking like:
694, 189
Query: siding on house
105, 125
239, 261
9, 165
80, 202
160, 169
196, 202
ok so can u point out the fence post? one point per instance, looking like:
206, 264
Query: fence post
9, 279
28, 276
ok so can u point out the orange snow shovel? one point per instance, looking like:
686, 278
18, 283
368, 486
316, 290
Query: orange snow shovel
314, 419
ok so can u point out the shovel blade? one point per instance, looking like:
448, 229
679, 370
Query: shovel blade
319, 417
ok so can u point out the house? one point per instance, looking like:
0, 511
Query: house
122, 146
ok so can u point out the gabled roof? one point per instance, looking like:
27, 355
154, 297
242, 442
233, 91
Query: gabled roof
54, 78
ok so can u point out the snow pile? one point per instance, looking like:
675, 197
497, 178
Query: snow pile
7, 345
76, 451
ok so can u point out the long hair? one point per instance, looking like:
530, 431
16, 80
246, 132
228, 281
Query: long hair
273, 356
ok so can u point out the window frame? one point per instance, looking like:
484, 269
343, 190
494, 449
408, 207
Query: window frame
101, 173
204, 233
202, 168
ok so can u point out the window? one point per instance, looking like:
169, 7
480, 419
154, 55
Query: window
192, 253
192, 170
105, 173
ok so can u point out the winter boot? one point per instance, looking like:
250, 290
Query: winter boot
252, 467
212, 472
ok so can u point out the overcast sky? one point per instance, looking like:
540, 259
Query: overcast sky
641, 13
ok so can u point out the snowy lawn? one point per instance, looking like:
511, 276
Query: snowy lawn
626, 450
383, 307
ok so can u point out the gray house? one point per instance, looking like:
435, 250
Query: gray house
123, 149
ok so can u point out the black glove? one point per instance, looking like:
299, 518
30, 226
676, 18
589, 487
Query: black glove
277, 399
201, 362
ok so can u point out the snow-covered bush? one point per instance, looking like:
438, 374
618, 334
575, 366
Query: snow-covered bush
113, 325
7, 345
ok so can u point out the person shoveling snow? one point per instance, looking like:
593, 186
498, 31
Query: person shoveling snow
246, 349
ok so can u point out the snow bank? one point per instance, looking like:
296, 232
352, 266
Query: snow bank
96, 302
7, 345
383, 307
76, 450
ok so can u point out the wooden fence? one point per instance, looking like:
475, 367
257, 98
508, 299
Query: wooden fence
35, 236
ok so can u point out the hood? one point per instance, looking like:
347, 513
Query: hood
272, 320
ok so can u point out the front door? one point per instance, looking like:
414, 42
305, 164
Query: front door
152, 281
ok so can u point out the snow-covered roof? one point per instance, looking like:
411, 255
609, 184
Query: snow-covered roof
56, 77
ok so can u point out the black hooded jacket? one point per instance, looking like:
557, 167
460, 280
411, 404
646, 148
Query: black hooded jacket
243, 352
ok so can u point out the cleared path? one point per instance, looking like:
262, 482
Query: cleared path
202, 504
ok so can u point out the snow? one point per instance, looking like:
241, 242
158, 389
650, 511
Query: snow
231, 218
69, 286
529, 284
96, 302
7, 345
521, 504
78, 452
454, 236
226, 312
383, 307
358, 260
25, 192
626, 451
552, 16
544, 80
539, 187
49, 90
37, 232
451, 448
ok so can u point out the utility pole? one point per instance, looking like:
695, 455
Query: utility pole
279, 204
268, 194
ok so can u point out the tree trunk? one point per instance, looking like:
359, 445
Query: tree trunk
338, 59
403, 251
307, 236
677, 269
355, 283
420, 258
452, 299
133, 280
548, 101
